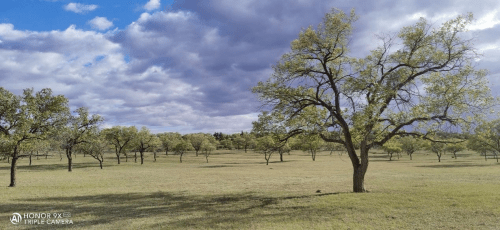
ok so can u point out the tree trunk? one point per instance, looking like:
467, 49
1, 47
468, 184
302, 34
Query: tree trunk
206, 156
390, 156
30, 158
142, 158
360, 166
13, 169
154, 153
455, 155
70, 160
410, 156
359, 179
313, 154
281, 157
100, 164
118, 157
439, 157
37, 156
180, 157
166, 152
135, 157
196, 152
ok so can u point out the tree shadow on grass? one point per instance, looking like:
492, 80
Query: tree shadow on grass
171, 209
453, 165
51, 167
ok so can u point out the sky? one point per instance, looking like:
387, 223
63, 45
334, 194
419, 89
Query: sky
188, 66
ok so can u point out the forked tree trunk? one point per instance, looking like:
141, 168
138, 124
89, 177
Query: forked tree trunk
360, 166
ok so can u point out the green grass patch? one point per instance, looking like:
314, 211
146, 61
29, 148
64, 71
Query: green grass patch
236, 190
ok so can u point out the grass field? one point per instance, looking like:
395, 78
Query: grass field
236, 190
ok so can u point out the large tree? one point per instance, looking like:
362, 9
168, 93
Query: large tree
418, 81
27, 118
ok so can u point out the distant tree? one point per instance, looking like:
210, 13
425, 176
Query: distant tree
410, 145
227, 144
455, 147
182, 147
77, 131
207, 148
196, 139
392, 147
267, 146
311, 144
487, 138
169, 140
436, 147
95, 146
121, 138
28, 117
145, 141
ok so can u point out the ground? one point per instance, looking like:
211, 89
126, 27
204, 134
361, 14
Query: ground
236, 190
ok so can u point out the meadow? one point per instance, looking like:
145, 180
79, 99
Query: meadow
236, 190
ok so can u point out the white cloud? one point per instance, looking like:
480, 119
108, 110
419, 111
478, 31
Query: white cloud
79, 8
152, 5
489, 20
100, 23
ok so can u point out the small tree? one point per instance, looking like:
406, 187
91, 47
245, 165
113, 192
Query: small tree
182, 147
311, 144
95, 146
392, 146
146, 141
410, 145
266, 146
487, 138
121, 138
436, 147
77, 131
455, 147
207, 148
169, 140
196, 140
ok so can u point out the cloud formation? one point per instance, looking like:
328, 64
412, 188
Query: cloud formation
152, 5
80, 8
100, 23
191, 69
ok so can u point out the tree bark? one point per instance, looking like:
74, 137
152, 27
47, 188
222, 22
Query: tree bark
70, 160
360, 166
142, 158
13, 169
117, 155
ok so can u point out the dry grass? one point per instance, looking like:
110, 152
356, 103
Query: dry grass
236, 190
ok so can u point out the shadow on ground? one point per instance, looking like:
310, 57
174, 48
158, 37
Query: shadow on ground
445, 165
175, 210
49, 167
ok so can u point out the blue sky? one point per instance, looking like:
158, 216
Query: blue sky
188, 66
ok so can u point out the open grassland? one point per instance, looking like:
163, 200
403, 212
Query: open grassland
236, 190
